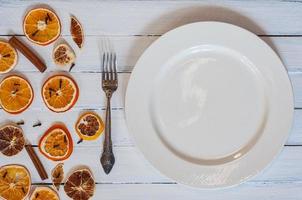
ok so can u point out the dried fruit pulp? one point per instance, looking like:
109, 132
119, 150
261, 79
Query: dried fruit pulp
77, 32
60, 93
57, 175
11, 140
63, 55
8, 57
14, 182
16, 94
80, 185
89, 126
41, 26
44, 193
56, 144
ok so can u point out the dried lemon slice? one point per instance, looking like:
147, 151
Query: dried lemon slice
89, 126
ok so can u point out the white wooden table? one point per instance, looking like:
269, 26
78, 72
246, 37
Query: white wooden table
133, 26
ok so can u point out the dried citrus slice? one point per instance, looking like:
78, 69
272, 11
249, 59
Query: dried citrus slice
63, 55
80, 185
60, 93
11, 140
15, 182
16, 94
44, 193
8, 57
41, 26
89, 126
77, 31
56, 143
57, 175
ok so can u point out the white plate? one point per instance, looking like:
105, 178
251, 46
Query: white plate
209, 104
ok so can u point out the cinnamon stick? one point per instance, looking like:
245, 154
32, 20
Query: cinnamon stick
28, 53
35, 159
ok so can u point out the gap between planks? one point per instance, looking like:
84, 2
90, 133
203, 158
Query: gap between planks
144, 35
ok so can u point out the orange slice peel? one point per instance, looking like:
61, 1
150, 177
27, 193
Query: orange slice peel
16, 94
11, 140
60, 93
44, 193
15, 182
89, 126
76, 31
56, 144
80, 185
41, 26
8, 57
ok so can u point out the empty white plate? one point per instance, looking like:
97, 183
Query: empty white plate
209, 104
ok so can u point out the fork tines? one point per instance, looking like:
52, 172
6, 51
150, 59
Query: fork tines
109, 66
109, 71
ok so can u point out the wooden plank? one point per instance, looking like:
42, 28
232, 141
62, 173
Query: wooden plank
296, 80
131, 167
90, 86
289, 49
120, 135
295, 137
130, 48
91, 93
246, 191
157, 17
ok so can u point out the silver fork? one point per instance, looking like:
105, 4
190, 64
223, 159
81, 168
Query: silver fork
109, 85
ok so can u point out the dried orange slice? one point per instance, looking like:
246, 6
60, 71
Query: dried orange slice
11, 140
15, 182
60, 93
44, 193
57, 175
56, 143
77, 31
16, 94
8, 57
41, 26
89, 126
63, 55
80, 185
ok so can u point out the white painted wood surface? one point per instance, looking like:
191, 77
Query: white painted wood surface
133, 26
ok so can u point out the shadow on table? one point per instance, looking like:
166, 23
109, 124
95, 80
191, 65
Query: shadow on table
187, 15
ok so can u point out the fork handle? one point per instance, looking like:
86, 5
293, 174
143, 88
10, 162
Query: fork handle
107, 159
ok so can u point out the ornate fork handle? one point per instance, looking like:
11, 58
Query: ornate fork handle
107, 158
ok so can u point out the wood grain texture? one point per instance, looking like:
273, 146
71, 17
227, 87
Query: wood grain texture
120, 135
131, 167
154, 17
130, 48
248, 191
91, 95
132, 26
